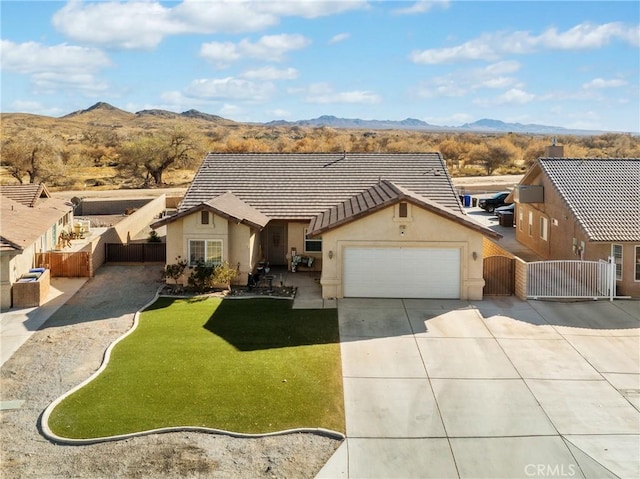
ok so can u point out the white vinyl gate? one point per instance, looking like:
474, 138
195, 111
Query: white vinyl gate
571, 279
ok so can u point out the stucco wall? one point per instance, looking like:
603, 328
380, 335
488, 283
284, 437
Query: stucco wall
239, 242
295, 239
134, 223
422, 229
14, 266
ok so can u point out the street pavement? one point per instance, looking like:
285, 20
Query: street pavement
499, 388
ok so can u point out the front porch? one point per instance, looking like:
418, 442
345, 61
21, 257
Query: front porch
308, 293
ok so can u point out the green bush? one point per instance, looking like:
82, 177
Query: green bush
205, 276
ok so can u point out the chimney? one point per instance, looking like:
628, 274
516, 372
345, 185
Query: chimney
554, 150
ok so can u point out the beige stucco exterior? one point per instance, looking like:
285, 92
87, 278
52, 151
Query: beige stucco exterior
240, 243
296, 241
565, 239
422, 229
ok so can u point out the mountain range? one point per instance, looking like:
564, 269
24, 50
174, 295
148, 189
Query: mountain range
481, 126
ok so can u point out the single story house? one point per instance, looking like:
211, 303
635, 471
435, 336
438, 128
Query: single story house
583, 208
373, 224
30, 223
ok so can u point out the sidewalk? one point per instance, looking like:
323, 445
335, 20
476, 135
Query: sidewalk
17, 325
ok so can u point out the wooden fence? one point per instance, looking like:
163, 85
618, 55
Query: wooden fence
499, 276
66, 265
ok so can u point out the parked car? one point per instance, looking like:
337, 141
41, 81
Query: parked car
493, 202
510, 208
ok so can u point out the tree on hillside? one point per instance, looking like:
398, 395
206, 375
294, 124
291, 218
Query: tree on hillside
148, 156
35, 155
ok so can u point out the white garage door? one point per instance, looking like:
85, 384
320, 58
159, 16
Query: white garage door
401, 273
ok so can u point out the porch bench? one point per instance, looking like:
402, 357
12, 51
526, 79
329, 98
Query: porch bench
299, 260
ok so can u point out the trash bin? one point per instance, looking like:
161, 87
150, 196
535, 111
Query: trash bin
474, 202
467, 200
505, 218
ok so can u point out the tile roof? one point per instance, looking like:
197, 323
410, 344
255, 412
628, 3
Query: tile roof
381, 195
298, 186
21, 226
27, 195
227, 205
603, 194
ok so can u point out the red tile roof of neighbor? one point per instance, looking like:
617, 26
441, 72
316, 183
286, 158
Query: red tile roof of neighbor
298, 186
602, 194
383, 195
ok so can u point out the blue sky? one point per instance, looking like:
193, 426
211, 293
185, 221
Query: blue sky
574, 64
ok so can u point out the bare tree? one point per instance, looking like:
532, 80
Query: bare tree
148, 156
35, 155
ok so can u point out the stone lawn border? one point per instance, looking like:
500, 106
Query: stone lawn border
50, 435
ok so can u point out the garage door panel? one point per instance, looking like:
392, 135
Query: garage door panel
402, 272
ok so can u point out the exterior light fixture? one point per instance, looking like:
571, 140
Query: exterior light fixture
474, 255
330, 254
402, 229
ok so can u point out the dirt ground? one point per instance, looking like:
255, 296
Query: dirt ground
68, 348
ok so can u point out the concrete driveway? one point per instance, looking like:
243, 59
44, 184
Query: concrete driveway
489, 389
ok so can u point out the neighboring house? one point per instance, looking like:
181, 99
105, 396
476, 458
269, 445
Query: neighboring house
376, 225
31, 222
583, 208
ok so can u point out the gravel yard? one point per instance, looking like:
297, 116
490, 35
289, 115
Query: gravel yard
68, 348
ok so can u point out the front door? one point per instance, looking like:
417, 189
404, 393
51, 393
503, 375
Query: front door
276, 244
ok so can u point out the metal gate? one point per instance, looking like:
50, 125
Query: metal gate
571, 279
135, 253
499, 276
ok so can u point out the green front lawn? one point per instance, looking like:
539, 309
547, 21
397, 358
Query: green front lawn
250, 366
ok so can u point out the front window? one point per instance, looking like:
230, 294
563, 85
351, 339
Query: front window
530, 223
204, 217
637, 263
616, 252
205, 251
312, 245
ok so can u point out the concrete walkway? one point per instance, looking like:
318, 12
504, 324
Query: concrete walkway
493, 389
17, 325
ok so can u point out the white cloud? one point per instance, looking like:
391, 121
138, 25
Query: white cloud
58, 67
223, 89
454, 119
492, 46
323, 93
309, 8
501, 68
268, 48
32, 57
30, 106
50, 82
340, 37
279, 113
228, 109
461, 82
129, 25
422, 6
271, 73
598, 83
514, 96
144, 24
